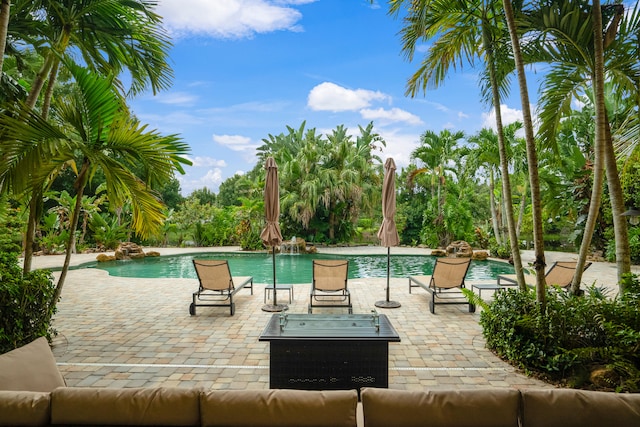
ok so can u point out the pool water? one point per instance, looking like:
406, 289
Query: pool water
291, 269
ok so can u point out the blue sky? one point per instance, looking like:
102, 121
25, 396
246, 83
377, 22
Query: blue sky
245, 69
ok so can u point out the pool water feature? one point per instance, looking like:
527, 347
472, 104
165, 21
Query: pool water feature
292, 269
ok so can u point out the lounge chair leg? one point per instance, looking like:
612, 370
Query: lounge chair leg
472, 308
192, 309
432, 305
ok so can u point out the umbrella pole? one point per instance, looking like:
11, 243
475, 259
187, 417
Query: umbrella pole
275, 307
388, 270
273, 251
387, 303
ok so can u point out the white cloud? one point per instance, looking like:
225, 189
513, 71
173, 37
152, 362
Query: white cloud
200, 161
234, 142
509, 115
331, 97
229, 18
176, 98
400, 145
211, 179
392, 115
462, 115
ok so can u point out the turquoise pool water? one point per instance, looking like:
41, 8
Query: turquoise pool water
291, 269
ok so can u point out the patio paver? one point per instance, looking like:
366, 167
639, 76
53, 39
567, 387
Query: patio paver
129, 332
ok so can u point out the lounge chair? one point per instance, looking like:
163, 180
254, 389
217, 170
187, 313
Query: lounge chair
329, 284
445, 283
559, 274
217, 287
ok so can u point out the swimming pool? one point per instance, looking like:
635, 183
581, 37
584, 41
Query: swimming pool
291, 269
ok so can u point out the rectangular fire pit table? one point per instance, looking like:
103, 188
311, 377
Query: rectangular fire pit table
329, 352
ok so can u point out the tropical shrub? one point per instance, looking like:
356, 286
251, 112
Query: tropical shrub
502, 251
590, 341
26, 301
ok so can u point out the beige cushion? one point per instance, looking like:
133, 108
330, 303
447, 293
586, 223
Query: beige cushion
284, 408
568, 408
31, 367
440, 408
24, 408
162, 406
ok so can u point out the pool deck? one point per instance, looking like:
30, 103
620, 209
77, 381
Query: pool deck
124, 332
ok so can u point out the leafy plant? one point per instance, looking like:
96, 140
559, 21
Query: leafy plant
106, 230
25, 300
591, 341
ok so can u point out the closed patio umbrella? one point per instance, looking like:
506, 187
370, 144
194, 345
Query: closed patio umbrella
271, 235
388, 233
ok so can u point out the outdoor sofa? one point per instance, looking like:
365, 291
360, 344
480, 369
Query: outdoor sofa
33, 393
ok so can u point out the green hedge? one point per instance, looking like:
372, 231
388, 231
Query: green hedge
25, 301
590, 341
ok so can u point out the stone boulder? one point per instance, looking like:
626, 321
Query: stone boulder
460, 249
105, 258
480, 255
129, 250
152, 253
438, 252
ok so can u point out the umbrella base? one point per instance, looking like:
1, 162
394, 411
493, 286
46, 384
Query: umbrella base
274, 307
387, 304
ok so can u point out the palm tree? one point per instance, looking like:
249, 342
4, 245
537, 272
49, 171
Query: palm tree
438, 153
5, 10
92, 130
111, 36
486, 155
463, 31
343, 176
539, 262
565, 37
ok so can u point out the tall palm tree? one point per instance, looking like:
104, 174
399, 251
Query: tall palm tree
486, 155
92, 130
437, 152
111, 36
463, 31
539, 262
565, 38
5, 10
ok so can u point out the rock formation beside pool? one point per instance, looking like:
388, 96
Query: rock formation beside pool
480, 255
460, 249
439, 252
126, 251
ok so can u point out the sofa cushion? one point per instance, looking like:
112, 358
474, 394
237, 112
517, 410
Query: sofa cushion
31, 367
440, 408
568, 408
162, 406
256, 408
24, 408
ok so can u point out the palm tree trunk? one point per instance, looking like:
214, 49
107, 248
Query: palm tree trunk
621, 233
506, 181
5, 10
48, 95
38, 82
34, 213
599, 149
539, 262
80, 184
523, 207
494, 210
